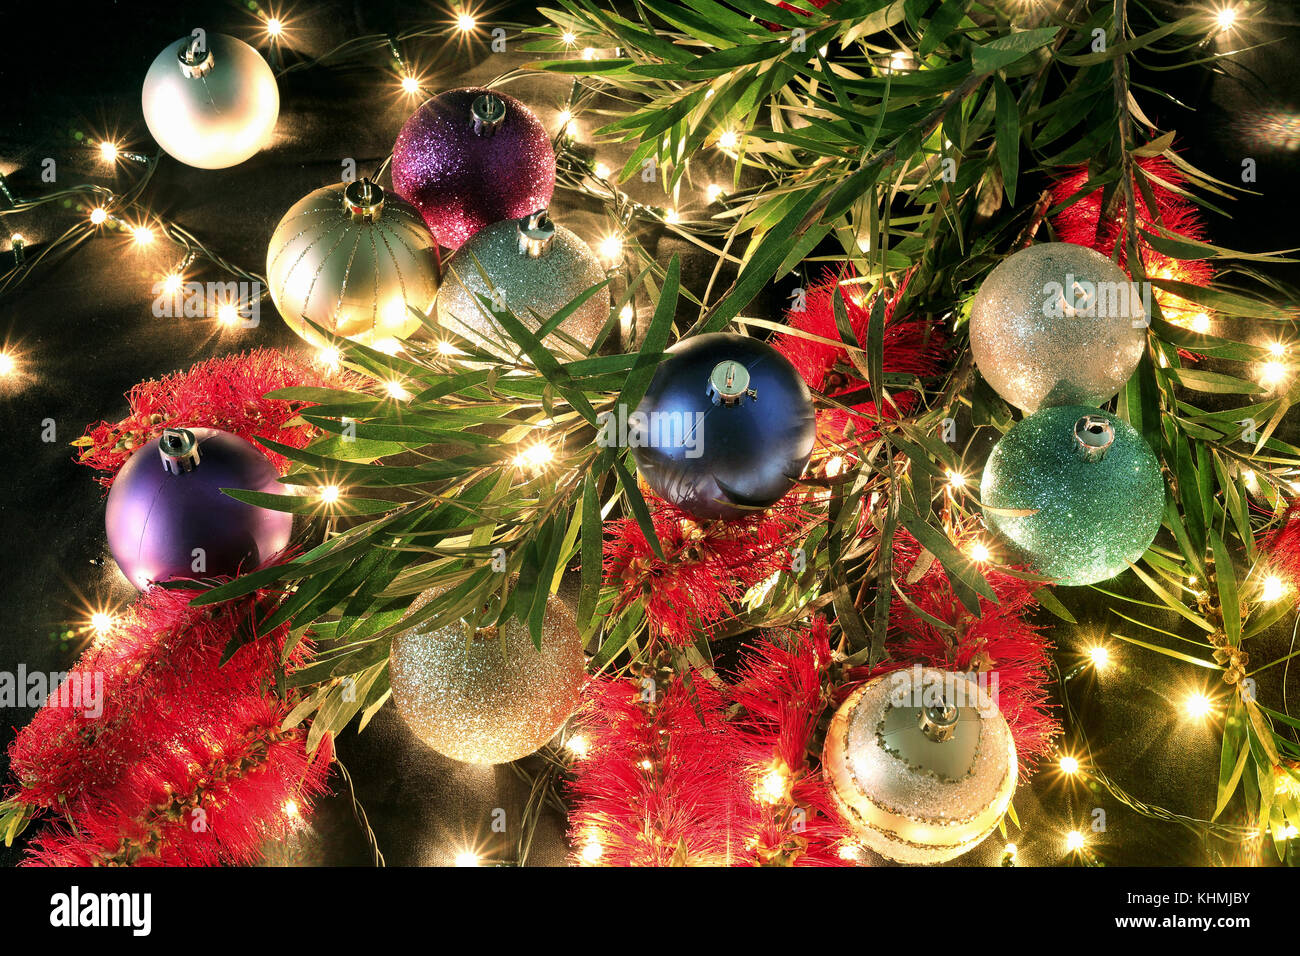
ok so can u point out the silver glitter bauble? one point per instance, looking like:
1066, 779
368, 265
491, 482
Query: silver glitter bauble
922, 764
493, 697
356, 261
536, 268
210, 100
1057, 324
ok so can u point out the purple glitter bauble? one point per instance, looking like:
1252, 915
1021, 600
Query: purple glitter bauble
167, 517
469, 158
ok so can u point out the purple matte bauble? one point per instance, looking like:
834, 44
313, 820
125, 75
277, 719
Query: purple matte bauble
157, 519
461, 181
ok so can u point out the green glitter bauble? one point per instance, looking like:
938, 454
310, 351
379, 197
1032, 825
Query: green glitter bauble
491, 698
1094, 506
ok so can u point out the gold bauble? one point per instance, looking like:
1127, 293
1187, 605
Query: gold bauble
490, 696
355, 261
921, 763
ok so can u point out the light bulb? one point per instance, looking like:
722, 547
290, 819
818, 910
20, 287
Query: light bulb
227, 314
1069, 765
1100, 657
588, 53
108, 151
1198, 705
591, 851
1226, 18
395, 390
465, 22
569, 38
467, 859
565, 117
274, 27
979, 552
611, 247
328, 356
602, 171
671, 216
1271, 373
1274, 588
956, 479
290, 808
100, 622
728, 139
329, 494
578, 746
8, 364
98, 215
143, 235
410, 85
713, 192
1074, 841
172, 283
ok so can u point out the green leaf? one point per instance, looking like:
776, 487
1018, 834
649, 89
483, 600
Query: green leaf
1008, 136
1005, 50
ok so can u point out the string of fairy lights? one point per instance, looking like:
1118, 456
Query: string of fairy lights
104, 211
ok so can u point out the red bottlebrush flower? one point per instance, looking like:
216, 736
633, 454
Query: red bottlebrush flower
781, 690
997, 640
156, 752
911, 346
1082, 223
706, 568
1282, 547
226, 393
657, 786
819, 4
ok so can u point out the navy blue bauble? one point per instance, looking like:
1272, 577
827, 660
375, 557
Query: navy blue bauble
727, 426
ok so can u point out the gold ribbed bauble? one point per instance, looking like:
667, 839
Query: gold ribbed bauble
489, 696
355, 261
534, 268
921, 763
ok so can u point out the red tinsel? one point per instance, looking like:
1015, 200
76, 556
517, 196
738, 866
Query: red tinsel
226, 393
782, 691
657, 787
1083, 224
997, 640
186, 764
1282, 547
911, 347
706, 568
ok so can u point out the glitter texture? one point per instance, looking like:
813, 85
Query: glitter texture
1090, 517
358, 279
1083, 353
533, 289
461, 181
495, 698
910, 798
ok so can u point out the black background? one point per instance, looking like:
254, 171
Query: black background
85, 333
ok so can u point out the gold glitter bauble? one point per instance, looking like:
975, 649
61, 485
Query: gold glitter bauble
922, 764
355, 261
1057, 324
493, 698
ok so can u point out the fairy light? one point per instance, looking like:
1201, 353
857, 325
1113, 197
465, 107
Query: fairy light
645, 765
850, 851
1069, 765
1248, 476
956, 479
101, 622
1289, 832
8, 364
396, 391
771, 787
1272, 373
98, 215
578, 746
1010, 852
535, 457
291, 809
713, 192
1198, 705
1274, 588
410, 85
142, 235
1200, 323
467, 858
602, 171
108, 151
979, 552
329, 356
1074, 841
465, 22
446, 349
592, 850
228, 314
274, 27
569, 38
1226, 18
329, 494
671, 216
728, 140
1100, 656
588, 53
611, 247
388, 346
565, 117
